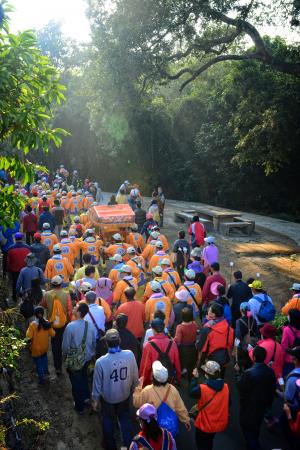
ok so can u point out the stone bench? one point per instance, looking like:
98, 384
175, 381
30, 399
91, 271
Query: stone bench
186, 217
246, 227
239, 219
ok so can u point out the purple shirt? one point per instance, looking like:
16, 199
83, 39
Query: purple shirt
210, 254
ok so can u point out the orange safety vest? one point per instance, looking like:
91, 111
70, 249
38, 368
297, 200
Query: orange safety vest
213, 408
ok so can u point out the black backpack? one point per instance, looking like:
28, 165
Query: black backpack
164, 358
27, 305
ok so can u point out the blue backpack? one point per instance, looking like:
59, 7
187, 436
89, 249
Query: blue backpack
266, 311
166, 417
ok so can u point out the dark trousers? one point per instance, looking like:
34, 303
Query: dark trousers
56, 343
29, 237
204, 441
4, 264
111, 412
41, 363
80, 387
14, 277
251, 438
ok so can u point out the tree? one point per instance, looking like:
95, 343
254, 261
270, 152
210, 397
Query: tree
181, 39
30, 89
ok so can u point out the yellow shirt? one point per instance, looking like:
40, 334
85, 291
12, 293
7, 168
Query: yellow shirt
80, 273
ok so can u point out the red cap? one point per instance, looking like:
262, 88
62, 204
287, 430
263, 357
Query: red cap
78, 227
37, 236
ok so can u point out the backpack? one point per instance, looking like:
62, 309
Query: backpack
296, 342
266, 311
166, 417
144, 444
248, 339
27, 307
76, 356
164, 358
58, 317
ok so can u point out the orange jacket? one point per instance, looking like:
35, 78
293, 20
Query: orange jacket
119, 295
87, 202
155, 302
220, 336
167, 289
172, 277
92, 246
137, 265
148, 252
68, 250
113, 248
39, 339
157, 257
293, 303
136, 240
114, 277
196, 291
163, 239
49, 239
58, 265
84, 218
213, 418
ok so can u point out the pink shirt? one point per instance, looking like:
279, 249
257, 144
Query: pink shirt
269, 345
210, 254
288, 336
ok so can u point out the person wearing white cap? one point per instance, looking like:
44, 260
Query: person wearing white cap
156, 234
193, 289
48, 238
58, 265
148, 252
166, 288
135, 239
181, 298
117, 247
164, 396
210, 253
137, 264
294, 302
58, 304
213, 405
158, 256
126, 280
67, 247
92, 245
170, 274
157, 301
114, 273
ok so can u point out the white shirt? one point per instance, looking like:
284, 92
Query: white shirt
99, 316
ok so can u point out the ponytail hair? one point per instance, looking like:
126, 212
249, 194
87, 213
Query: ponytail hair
42, 322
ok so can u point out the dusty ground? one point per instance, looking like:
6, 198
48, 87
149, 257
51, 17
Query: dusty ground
262, 253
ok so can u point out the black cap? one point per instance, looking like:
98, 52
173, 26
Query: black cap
294, 352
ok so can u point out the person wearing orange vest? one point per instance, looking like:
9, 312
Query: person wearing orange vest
77, 244
294, 302
76, 221
170, 274
137, 264
115, 270
166, 288
126, 280
215, 340
194, 290
87, 201
213, 405
67, 247
117, 247
48, 238
84, 218
156, 234
92, 245
148, 252
135, 239
157, 301
59, 306
58, 265
158, 256
64, 201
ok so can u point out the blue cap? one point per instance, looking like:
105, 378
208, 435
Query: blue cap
19, 235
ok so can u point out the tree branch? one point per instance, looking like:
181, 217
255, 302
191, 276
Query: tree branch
213, 61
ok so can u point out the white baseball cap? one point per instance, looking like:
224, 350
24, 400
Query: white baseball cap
295, 287
209, 239
182, 295
155, 234
155, 286
190, 274
125, 268
116, 257
46, 226
131, 251
160, 373
85, 287
164, 262
63, 233
117, 237
57, 280
159, 244
211, 367
157, 270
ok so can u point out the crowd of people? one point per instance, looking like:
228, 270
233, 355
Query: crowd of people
139, 323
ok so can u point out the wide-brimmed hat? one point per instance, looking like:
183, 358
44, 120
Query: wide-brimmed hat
211, 367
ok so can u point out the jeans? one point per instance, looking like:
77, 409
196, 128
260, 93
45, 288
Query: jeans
204, 441
80, 387
41, 363
56, 343
110, 412
252, 439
